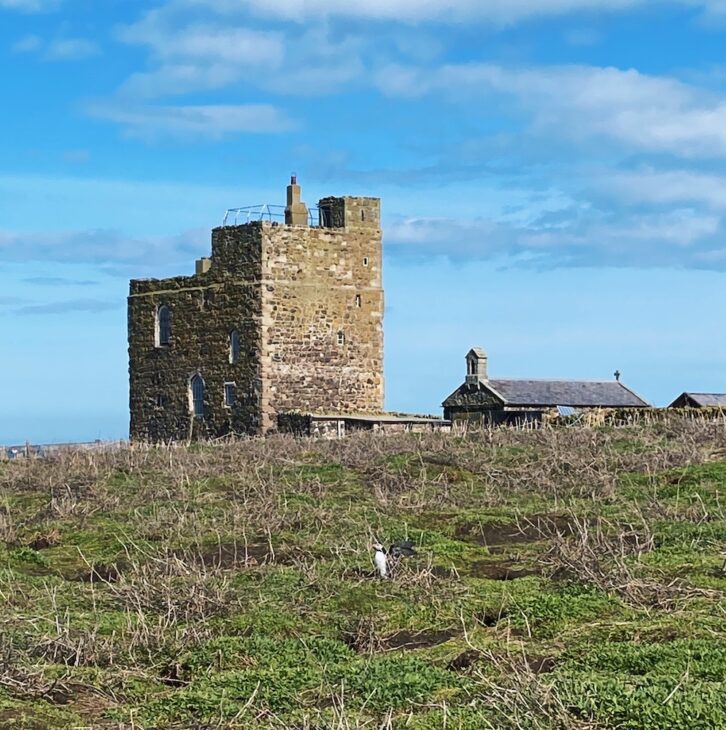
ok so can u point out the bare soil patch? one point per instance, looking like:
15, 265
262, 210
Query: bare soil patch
528, 663
464, 661
490, 617
540, 664
499, 570
419, 640
364, 639
441, 571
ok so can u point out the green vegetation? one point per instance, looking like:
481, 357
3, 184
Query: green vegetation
569, 578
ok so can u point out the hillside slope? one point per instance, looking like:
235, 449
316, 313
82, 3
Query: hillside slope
563, 579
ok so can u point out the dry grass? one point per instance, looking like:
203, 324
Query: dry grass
119, 567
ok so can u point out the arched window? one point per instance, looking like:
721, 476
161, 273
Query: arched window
233, 347
163, 325
196, 386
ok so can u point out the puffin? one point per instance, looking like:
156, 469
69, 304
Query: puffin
387, 560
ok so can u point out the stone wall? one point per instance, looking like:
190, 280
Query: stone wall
470, 403
322, 321
204, 310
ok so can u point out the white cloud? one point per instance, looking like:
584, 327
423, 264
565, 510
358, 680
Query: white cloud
198, 45
29, 6
76, 157
195, 56
71, 49
665, 187
65, 306
59, 49
27, 44
206, 41
650, 113
211, 121
498, 12
583, 37
103, 248
179, 78
572, 237
494, 11
714, 8
317, 62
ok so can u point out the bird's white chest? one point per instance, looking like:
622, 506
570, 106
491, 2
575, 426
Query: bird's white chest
381, 562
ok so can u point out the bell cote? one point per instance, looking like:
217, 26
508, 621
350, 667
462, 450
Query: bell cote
476, 366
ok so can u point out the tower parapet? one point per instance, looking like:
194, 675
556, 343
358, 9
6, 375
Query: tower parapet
350, 212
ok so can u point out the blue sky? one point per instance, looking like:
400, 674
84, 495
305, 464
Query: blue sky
553, 177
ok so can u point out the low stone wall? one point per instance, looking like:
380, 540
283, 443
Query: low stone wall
304, 425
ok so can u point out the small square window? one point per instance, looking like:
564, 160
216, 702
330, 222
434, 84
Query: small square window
230, 394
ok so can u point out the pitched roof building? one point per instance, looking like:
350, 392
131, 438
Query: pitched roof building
699, 400
506, 400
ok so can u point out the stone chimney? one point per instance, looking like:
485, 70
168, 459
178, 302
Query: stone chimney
296, 212
203, 265
476, 366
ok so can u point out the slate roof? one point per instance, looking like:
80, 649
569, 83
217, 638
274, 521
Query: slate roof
566, 393
705, 400
550, 393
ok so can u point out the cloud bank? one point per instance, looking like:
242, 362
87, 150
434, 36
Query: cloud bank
151, 122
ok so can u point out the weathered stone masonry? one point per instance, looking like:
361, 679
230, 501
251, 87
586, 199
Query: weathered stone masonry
307, 303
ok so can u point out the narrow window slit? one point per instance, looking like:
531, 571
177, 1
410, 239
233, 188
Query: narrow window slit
197, 392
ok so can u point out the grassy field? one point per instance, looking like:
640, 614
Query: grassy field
567, 578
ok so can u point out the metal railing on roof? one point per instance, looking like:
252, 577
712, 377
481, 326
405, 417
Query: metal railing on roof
264, 212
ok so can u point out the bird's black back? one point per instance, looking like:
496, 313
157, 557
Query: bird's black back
402, 549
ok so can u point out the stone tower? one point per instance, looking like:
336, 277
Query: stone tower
282, 317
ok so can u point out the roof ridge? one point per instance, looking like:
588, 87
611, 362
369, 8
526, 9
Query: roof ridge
559, 380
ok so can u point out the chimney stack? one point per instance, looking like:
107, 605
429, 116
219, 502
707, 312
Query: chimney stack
296, 212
